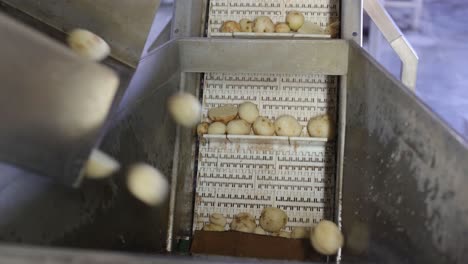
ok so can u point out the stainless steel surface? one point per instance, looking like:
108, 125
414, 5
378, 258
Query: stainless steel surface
220, 55
160, 31
37, 211
103, 215
55, 115
404, 182
189, 21
189, 18
340, 143
182, 188
400, 45
320, 56
124, 24
328, 57
351, 20
35, 255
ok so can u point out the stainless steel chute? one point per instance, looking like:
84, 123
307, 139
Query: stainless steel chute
399, 170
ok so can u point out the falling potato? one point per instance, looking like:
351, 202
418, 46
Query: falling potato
88, 45
147, 184
326, 238
100, 165
185, 109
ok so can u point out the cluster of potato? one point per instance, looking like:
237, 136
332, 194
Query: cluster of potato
295, 22
242, 119
325, 237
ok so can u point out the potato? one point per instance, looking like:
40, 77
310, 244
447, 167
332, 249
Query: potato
299, 232
321, 126
263, 126
326, 238
248, 111
147, 184
285, 234
218, 219
287, 125
185, 109
230, 26
263, 24
246, 25
88, 45
273, 219
310, 28
202, 128
213, 227
238, 127
333, 29
259, 231
243, 222
217, 128
282, 28
223, 113
100, 165
295, 20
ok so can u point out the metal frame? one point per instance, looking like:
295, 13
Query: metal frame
393, 35
351, 20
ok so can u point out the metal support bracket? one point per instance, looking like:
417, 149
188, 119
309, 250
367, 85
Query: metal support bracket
399, 43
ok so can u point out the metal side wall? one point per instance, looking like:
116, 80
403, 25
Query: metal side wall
405, 174
124, 24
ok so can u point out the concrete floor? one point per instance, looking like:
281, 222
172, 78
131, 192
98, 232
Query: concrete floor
442, 45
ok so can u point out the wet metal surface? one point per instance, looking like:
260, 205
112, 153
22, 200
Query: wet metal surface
404, 197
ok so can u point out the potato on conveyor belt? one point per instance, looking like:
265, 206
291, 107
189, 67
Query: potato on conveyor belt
223, 113
202, 129
230, 26
263, 24
217, 128
248, 111
246, 25
238, 127
287, 125
263, 127
218, 219
299, 232
243, 222
213, 227
321, 126
295, 20
273, 219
